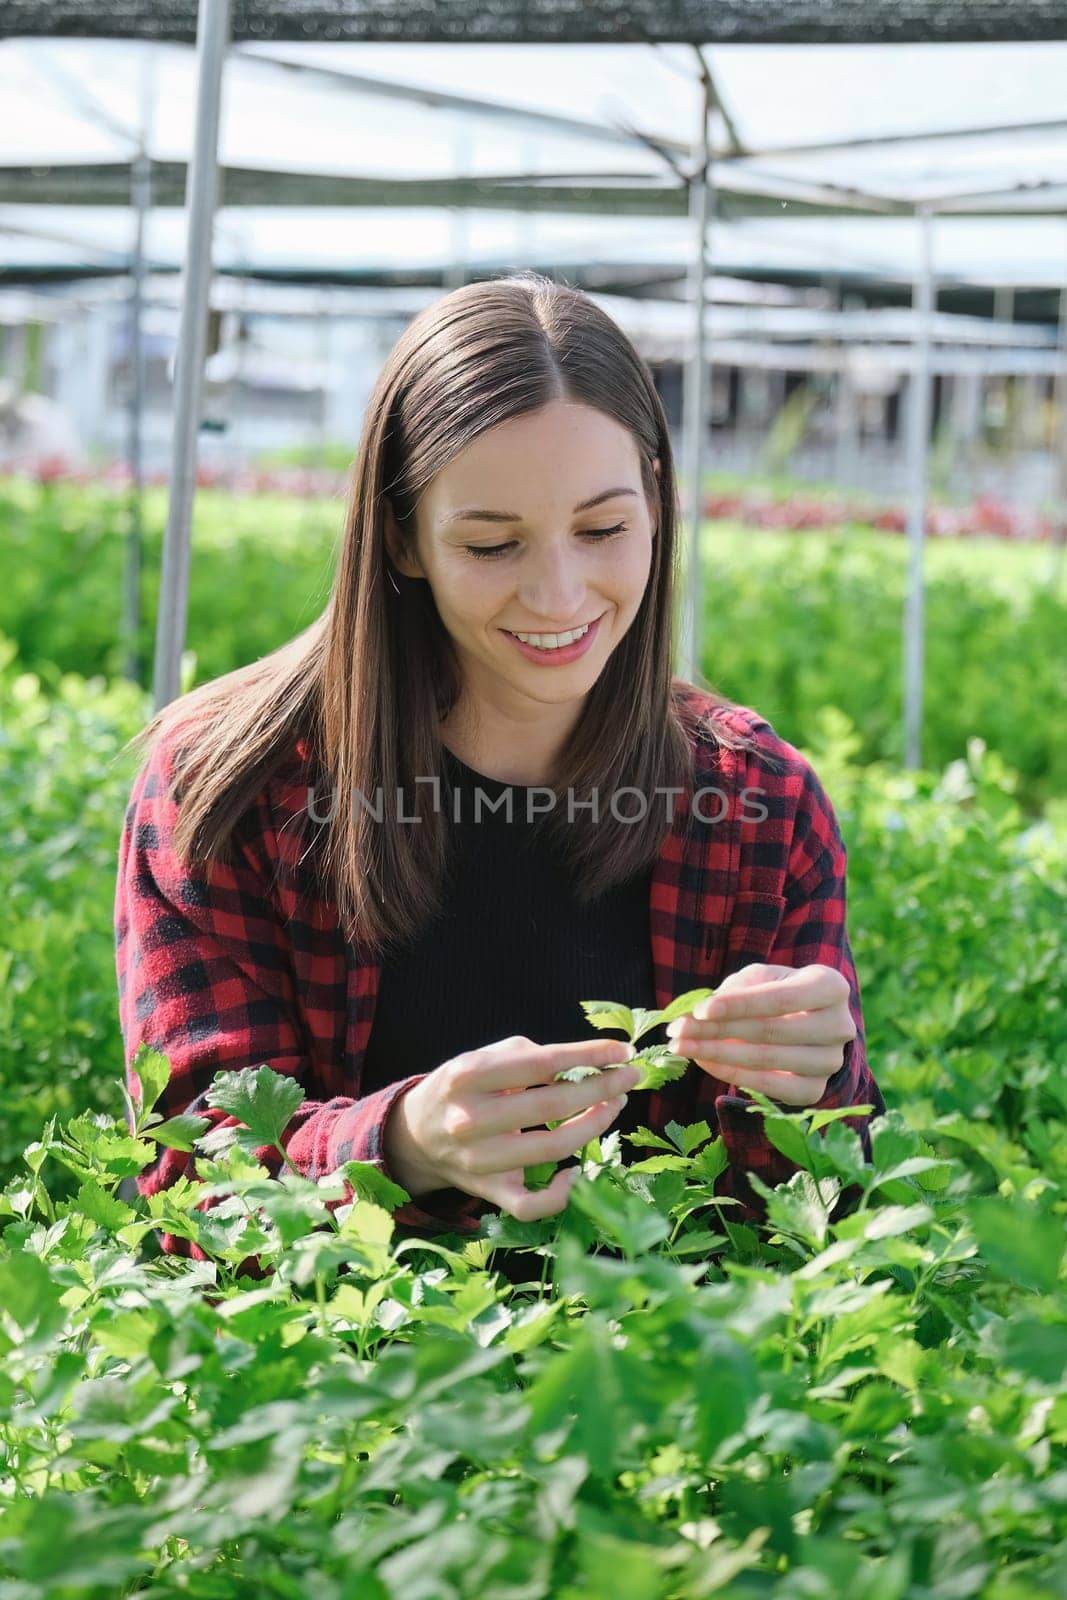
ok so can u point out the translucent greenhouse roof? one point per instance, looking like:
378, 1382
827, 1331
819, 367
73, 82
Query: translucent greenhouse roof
418, 247
883, 126
75, 101
786, 106
777, 95
882, 120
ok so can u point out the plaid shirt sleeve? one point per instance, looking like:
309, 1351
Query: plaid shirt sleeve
205, 977
812, 930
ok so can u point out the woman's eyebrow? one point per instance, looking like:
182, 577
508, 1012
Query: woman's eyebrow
479, 514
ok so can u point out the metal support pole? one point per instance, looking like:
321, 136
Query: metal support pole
141, 200
844, 420
846, 417
694, 402
1003, 302
326, 328
918, 467
213, 32
1059, 481
16, 357
1004, 311
140, 184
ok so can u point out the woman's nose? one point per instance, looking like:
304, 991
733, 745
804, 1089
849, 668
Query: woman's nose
555, 591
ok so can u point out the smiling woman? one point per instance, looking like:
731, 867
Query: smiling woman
500, 620
562, 589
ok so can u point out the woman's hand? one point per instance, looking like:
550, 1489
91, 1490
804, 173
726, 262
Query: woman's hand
782, 1030
461, 1126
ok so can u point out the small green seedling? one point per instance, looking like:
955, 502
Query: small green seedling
661, 1065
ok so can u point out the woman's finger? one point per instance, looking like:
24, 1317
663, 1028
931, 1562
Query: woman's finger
805, 1059
519, 1063
508, 1191
787, 1087
508, 1150
824, 1027
532, 1108
802, 989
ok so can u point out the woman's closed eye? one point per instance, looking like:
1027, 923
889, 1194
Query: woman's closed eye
481, 552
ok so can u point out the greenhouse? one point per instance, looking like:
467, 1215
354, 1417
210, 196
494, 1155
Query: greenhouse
298, 1293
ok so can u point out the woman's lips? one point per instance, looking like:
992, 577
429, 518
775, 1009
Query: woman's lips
555, 658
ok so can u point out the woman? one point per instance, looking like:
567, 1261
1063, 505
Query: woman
500, 621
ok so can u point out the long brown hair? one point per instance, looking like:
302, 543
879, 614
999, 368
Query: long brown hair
369, 682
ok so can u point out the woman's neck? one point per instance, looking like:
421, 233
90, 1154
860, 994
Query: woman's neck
524, 756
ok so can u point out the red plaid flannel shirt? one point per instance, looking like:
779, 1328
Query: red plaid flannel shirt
228, 966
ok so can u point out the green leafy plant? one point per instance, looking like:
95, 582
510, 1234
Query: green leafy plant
63, 790
660, 1063
802, 1406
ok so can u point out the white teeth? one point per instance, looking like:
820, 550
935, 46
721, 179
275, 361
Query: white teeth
553, 641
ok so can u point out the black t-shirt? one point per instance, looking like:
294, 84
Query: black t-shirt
513, 952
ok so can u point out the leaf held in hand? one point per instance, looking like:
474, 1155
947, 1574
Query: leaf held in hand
608, 1014
683, 1004
576, 1074
540, 1175
638, 1021
660, 1065
644, 1021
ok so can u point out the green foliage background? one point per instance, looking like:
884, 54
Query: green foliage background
793, 621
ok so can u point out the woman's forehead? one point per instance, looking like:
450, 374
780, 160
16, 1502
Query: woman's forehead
567, 451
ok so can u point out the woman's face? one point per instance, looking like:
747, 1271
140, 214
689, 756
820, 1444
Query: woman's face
539, 527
